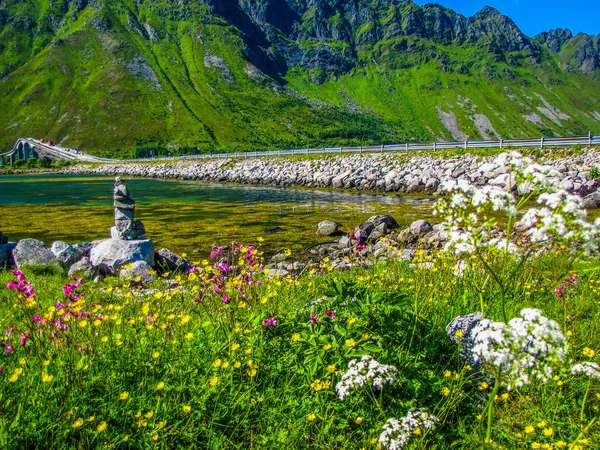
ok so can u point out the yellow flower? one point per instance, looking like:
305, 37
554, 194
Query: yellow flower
248, 351
588, 352
350, 343
459, 334
327, 347
213, 381
417, 431
446, 391
124, 395
138, 414
237, 364
104, 339
359, 420
252, 373
97, 323
570, 334
331, 368
447, 374
149, 415
484, 386
101, 427
155, 355
217, 363
536, 445
160, 386
561, 444
78, 423
91, 418
295, 337
311, 417
47, 378
189, 336
186, 409
548, 432
505, 396
158, 295
45, 362
365, 337
83, 324
542, 424
529, 429
155, 437
234, 347
225, 365
14, 377
351, 321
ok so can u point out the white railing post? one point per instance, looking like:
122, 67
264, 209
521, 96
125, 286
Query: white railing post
406, 146
435, 146
361, 149
466, 144
501, 143
542, 143
590, 137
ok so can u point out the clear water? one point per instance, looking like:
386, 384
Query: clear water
188, 216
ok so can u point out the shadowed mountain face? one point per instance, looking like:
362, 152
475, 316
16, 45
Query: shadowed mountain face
121, 76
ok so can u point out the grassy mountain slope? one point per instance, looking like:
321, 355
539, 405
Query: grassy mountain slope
116, 77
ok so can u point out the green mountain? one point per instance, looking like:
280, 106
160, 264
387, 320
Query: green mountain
117, 76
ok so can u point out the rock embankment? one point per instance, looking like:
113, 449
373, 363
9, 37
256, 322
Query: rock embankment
374, 172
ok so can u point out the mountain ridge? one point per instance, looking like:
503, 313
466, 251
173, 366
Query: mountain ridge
123, 77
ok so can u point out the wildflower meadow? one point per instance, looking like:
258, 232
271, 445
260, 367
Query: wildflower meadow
231, 355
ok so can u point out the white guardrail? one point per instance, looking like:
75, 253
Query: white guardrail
538, 142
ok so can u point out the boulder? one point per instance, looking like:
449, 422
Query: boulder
168, 260
363, 231
388, 220
420, 227
110, 255
73, 253
82, 267
32, 251
464, 325
139, 269
57, 247
591, 201
6, 254
328, 228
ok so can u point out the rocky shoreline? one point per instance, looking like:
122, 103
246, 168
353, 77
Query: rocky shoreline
373, 172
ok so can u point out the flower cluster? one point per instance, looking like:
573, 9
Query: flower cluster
588, 368
563, 289
363, 372
559, 218
527, 347
70, 290
21, 285
397, 434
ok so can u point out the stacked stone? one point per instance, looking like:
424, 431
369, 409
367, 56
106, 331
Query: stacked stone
126, 227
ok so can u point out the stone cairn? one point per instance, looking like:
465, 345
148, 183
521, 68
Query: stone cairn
126, 228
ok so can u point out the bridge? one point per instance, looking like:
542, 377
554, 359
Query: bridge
26, 148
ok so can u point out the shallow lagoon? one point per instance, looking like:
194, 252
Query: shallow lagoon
188, 216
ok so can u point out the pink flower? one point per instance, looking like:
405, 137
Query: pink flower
270, 322
23, 339
9, 348
330, 314
313, 318
225, 299
37, 319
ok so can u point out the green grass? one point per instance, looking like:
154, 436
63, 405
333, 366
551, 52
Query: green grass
392, 311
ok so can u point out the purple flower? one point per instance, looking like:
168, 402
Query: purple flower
23, 339
225, 299
9, 348
330, 314
37, 319
313, 318
270, 322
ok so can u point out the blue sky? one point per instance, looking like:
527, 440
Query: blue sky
535, 16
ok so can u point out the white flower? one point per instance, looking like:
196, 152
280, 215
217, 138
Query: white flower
588, 368
397, 433
527, 347
362, 372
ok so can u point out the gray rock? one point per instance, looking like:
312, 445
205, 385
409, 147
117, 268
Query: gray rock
73, 253
363, 231
58, 247
166, 259
591, 201
464, 324
139, 269
420, 227
82, 267
32, 251
328, 228
110, 255
388, 220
